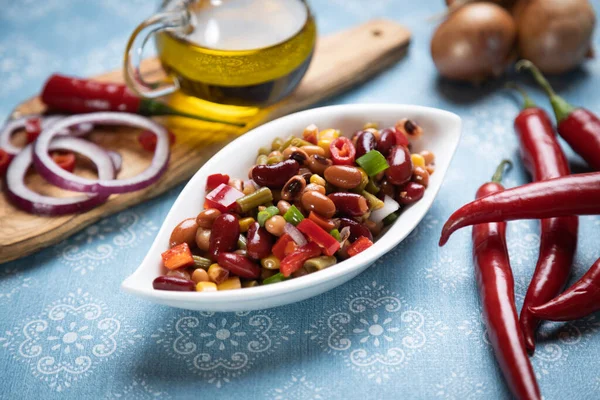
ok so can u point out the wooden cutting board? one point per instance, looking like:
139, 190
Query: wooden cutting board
341, 61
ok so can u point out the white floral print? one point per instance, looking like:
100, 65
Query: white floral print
459, 386
449, 274
139, 389
299, 387
12, 280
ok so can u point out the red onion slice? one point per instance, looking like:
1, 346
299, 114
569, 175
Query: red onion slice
19, 123
30, 201
116, 159
295, 234
66, 180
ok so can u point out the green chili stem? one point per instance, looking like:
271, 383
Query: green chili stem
562, 109
497, 178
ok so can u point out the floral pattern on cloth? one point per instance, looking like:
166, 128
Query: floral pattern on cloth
69, 339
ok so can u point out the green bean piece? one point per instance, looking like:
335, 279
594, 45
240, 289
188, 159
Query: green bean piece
299, 142
363, 183
255, 199
293, 215
247, 284
261, 160
390, 219
336, 234
372, 187
277, 142
274, 159
374, 202
263, 151
270, 262
287, 143
242, 242
319, 263
278, 277
265, 214
201, 262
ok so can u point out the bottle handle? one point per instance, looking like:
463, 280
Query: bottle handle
178, 21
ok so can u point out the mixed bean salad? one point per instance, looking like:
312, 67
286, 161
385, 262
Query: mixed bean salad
308, 203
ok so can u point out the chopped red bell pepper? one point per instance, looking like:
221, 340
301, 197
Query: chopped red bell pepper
319, 236
223, 198
148, 140
65, 160
342, 151
178, 256
360, 245
294, 261
33, 128
215, 180
284, 246
5, 160
325, 223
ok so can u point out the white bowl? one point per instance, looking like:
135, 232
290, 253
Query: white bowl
442, 131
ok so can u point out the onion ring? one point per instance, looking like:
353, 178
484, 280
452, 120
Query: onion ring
30, 201
66, 180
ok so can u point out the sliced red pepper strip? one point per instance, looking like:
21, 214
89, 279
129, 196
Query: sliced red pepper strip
320, 236
294, 261
178, 256
33, 128
65, 160
284, 246
342, 151
5, 160
360, 245
148, 140
215, 180
324, 223
497, 294
223, 198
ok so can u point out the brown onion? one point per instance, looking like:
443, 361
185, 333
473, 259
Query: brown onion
555, 35
474, 43
458, 3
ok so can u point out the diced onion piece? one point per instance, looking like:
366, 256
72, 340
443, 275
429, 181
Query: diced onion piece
295, 234
63, 179
30, 201
389, 206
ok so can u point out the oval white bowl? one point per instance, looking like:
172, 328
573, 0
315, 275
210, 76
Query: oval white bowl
442, 132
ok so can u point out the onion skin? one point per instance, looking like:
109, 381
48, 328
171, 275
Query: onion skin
474, 43
504, 3
556, 35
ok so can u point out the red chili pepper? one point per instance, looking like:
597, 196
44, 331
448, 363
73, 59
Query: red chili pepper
77, 96
65, 160
5, 160
581, 299
318, 235
544, 159
148, 140
342, 151
559, 197
33, 128
223, 198
578, 126
496, 290
284, 246
215, 180
360, 245
294, 261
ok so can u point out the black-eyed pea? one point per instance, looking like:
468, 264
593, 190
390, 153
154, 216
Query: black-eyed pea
275, 224
317, 164
293, 188
295, 153
409, 128
420, 175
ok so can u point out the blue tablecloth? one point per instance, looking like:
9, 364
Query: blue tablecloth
409, 327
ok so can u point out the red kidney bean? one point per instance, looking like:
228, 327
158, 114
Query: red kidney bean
411, 193
387, 140
349, 203
356, 229
259, 242
401, 168
365, 142
275, 175
224, 235
386, 189
173, 283
239, 265
185, 232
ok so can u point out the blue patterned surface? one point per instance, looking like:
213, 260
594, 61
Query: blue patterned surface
409, 327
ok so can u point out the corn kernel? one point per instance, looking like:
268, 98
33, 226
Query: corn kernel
230, 284
217, 274
317, 180
200, 275
324, 144
329, 134
245, 224
206, 287
368, 125
417, 160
